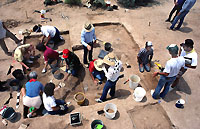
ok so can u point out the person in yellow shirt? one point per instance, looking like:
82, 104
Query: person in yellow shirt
23, 53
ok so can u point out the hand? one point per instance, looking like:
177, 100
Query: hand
95, 41
155, 74
89, 47
175, 3
141, 65
62, 107
179, 14
29, 69
149, 64
95, 82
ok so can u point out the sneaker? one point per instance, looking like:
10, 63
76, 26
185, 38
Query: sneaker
98, 100
44, 71
170, 89
86, 65
152, 91
167, 20
29, 115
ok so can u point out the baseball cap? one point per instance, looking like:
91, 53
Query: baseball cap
65, 53
149, 44
173, 48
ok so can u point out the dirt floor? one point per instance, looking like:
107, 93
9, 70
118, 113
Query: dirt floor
132, 28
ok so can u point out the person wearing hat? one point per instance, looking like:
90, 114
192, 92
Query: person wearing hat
50, 32
4, 33
112, 70
23, 55
96, 71
72, 63
31, 94
88, 38
145, 56
168, 75
52, 105
187, 51
49, 55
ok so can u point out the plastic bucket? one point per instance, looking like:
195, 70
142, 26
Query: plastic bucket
139, 94
80, 100
113, 108
134, 81
95, 124
9, 113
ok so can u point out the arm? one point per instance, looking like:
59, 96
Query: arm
24, 65
160, 73
188, 65
4, 26
139, 60
45, 64
83, 41
48, 39
55, 108
180, 50
94, 37
43, 39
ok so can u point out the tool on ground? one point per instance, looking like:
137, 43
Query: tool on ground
23, 126
75, 118
126, 81
128, 65
5, 123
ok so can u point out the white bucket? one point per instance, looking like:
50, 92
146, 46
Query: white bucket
112, 107
139, 94
134, 81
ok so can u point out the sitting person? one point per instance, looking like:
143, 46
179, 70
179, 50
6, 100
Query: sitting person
50, 55
96, 71
112, 70
72, 63
144, 57
31, 94
52, 105
23, 53
50, 32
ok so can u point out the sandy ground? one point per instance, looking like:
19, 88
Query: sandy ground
137, 22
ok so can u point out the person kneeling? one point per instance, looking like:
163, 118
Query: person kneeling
52, 105
72, 63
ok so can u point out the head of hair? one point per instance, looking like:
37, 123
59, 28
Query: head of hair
33, 75
36, 28
189, 43
49, 89
41, 47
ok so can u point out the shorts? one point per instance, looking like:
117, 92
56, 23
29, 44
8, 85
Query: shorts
181, 72
32, 102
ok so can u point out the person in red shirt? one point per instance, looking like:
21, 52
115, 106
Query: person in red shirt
96, 72
49, 55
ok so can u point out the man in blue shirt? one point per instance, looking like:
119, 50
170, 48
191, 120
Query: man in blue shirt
177, 7
31, 94
87, 37
188, 4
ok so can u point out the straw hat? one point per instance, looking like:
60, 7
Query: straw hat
98, 64
88, 27
110, 59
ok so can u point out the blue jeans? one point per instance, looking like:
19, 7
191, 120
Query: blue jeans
166, 82
109, 85
146, 67
181, 17
99, 75
59, 112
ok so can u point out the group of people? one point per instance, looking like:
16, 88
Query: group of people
180, 61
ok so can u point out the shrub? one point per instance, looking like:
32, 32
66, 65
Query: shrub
73, 2
127, 3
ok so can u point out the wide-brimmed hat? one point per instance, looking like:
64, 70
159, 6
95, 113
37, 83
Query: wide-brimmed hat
110, 59
98, 64
65, 53
88, 27
173, 48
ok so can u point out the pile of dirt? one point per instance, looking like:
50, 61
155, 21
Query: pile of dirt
110, 111
11, 23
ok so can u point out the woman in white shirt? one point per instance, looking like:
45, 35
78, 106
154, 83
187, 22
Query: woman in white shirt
52, 105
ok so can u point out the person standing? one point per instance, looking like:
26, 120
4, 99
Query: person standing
4, 33
177, 7
50, 32
187, 51
188, 4
168, 75
88, 38
112, 70
145, 56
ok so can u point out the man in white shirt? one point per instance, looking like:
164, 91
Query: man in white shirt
168, 76
112, 70
187, 51
50, 32
4, 32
